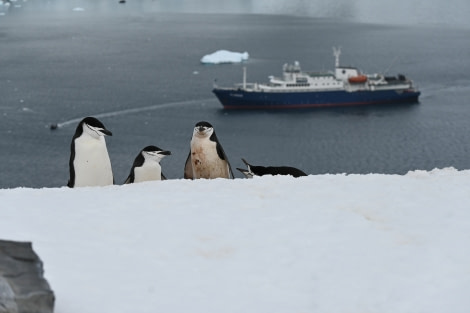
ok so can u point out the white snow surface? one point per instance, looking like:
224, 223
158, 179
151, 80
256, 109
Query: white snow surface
224, 56
324, 243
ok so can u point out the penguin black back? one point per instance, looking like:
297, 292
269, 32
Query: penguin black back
254, 170
139, 161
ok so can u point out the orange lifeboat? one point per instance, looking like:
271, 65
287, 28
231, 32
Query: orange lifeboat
360, 79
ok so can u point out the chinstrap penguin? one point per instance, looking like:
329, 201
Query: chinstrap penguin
253, 170
147, 166
89, 163
206, 157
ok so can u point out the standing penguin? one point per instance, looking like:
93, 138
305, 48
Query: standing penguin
253, 170
89, 160
146, 165
206, 157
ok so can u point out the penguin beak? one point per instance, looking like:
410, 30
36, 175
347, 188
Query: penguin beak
104, 131
164, 152
247, 172
159, 154
100, 131
201, 129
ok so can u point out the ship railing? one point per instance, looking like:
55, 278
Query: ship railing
246, 86
276, 80
272, 89
320, 74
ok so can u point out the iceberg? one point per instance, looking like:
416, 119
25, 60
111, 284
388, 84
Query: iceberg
224, 56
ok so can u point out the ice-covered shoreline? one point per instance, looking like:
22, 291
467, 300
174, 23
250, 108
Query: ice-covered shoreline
385, 243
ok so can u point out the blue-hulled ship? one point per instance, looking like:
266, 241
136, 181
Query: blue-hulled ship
346, 86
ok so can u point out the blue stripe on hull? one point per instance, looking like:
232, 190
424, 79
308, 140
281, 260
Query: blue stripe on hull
239, 99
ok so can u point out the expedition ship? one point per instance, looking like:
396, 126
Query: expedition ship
346, 86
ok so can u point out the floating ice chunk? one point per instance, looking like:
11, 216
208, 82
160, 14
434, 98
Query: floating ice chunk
224, 56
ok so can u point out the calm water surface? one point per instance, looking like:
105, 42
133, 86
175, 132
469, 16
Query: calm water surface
138, 70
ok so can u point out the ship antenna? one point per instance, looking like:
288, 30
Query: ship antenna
336, 53
391, 64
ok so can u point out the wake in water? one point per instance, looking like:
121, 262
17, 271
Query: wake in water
130, 111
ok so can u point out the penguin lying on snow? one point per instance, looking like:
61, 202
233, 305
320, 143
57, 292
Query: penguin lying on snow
269, 170
146, 165
206, 157
89, 163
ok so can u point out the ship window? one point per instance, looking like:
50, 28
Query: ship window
344, 71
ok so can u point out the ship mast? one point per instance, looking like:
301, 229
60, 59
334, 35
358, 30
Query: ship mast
336, 53
244, 77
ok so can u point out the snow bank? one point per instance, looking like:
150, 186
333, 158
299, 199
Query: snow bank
327, 243
224, 56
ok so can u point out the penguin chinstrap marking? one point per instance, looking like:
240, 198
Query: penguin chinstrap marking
206, 157
89, 159
253, 170
147, 166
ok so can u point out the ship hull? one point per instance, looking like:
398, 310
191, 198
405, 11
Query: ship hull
243, 99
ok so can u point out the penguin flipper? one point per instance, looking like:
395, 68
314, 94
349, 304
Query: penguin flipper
188, 167
230, 170
220, 151
71, 181
163, 177
223, 156
130, 179
246, 163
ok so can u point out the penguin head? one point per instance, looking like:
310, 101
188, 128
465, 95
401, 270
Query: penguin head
203, 130
94, 127
154, 153
248, 173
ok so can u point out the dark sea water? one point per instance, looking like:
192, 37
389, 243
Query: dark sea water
136, 67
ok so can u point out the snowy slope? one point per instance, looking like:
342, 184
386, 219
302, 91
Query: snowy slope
327, 243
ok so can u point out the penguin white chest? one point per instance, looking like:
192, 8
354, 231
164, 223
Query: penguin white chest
91, 163
147, 172
206, 163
